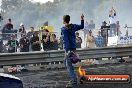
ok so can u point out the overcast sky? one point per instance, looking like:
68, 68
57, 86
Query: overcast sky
42, 1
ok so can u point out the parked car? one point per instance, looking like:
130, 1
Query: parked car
9, 81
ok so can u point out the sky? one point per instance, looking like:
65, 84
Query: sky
0, 2
42, 1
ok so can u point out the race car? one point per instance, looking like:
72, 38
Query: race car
9, 81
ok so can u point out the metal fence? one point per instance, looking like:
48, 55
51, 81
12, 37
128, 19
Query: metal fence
57, 56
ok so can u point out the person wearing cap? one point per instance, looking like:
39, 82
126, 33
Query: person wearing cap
69, 41
22, 29
24, 43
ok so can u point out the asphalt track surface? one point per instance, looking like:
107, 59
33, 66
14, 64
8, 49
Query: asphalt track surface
59, 78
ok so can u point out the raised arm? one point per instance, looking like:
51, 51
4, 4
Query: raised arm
114, 11
78, 27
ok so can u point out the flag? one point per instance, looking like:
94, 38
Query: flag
46, 23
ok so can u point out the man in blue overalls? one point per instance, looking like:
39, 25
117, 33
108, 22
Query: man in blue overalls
69, 40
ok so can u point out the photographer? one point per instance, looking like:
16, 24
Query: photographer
35, 43
53, 42
24, 44
46, 40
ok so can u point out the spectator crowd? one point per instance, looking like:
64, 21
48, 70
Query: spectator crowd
45, 40
28, 41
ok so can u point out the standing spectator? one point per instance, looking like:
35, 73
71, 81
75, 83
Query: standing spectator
126, 27
1, 44
30, 33
54, 42
12, 44
61, 43
5, 50
90, 40
1, 18
112, 20
91, 25
46, 40
8, 27
24, 44
104, 32
22, 29
86, 30
35, 43
69, 40
99, 41
78, 40
118, 28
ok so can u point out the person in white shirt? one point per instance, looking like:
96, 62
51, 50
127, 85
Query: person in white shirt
86, 30
112, 21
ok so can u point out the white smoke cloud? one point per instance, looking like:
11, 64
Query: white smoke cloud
0, 4
41, 1
34, 14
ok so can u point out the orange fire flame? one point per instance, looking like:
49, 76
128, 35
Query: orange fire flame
81, 71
